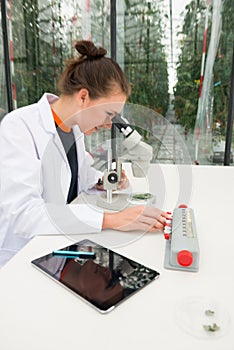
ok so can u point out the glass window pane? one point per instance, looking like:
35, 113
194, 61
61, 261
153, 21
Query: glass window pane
3, 89
165, 48
202, 91
44, 33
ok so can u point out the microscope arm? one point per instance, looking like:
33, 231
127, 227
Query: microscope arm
138, 152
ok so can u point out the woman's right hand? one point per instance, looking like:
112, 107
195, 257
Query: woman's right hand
136, 218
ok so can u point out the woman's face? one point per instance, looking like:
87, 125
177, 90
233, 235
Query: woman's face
98, 114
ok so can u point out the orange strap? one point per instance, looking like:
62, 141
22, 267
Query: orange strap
59, 122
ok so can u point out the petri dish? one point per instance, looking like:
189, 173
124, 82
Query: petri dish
202, 317
142, 198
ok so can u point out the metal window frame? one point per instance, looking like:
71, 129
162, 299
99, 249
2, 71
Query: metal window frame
228, 142
6, 56
113, 56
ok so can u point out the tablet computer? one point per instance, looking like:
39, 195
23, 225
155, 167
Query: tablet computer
98, 275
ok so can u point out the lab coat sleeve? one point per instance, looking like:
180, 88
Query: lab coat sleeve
88, 175
92, 175
24, 211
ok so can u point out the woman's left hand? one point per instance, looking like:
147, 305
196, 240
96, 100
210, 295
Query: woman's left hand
124, 182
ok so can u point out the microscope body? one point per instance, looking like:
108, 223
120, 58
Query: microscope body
137, 152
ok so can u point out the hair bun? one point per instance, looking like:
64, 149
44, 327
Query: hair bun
88, 49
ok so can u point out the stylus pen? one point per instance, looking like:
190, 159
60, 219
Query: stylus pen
74, 254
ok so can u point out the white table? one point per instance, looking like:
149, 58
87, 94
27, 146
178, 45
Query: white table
36, 313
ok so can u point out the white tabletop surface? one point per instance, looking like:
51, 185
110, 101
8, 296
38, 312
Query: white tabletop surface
36, 313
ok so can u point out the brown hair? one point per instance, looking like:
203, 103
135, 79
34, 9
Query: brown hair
93, 71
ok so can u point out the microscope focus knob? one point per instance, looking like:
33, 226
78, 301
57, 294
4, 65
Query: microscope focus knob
185, 258
112, 177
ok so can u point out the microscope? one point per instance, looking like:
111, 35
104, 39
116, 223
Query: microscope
138, 153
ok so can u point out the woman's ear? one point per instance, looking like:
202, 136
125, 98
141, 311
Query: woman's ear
83, 97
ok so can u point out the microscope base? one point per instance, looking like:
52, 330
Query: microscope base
119, 201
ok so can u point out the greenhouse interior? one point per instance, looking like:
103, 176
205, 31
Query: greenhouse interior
177, 56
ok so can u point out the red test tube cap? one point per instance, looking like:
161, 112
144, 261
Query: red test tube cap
185, 258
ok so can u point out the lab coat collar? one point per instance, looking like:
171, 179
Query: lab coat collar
49, 124
45, 112
77, 132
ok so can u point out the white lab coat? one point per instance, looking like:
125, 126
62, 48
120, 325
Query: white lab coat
35, 178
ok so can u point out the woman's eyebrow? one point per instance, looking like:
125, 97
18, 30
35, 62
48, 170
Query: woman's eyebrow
111, 114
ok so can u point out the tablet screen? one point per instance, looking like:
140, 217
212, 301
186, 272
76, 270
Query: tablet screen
97, 274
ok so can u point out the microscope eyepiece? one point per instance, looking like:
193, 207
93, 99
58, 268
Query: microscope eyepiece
123, 125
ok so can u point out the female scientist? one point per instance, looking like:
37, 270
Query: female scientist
43, 162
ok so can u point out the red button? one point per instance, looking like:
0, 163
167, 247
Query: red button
185, 258
182, 206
